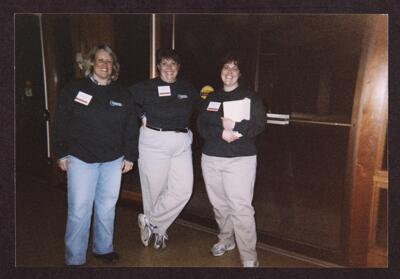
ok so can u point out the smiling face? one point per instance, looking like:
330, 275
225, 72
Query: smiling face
168, 70
230, 74
102, 66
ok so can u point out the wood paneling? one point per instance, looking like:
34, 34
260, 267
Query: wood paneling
89, 30
132, 46
59, 56
60, 63
368, 118
377, 249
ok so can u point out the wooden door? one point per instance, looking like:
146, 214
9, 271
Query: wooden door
302, 162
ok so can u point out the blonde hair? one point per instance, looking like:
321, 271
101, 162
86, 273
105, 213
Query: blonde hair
90, 59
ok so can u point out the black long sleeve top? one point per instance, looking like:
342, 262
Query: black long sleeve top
165, 110
99, 130
209, 125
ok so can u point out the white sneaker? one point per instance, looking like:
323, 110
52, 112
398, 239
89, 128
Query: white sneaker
219, 248
145, 229
250, 264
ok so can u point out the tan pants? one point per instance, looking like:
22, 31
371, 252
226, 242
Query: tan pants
230, 186
166, 175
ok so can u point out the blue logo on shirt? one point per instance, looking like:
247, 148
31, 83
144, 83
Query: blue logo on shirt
115, 104
181, 96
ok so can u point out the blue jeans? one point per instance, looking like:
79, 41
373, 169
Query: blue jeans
88, 184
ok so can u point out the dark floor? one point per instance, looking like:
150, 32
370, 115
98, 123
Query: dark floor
40, 225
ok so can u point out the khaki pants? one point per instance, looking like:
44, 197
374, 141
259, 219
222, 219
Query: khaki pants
166, 175
230, 186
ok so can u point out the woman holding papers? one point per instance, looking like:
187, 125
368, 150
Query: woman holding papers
229, 121
95, 140
165, 156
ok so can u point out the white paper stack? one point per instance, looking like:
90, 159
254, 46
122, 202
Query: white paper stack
237, 111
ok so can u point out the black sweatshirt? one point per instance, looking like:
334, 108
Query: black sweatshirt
101, 131
210, 127
165, 110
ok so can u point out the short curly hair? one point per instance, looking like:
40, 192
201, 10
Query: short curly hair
167, 54
231, 57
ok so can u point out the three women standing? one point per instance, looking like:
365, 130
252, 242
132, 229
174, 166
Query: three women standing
95, 139
229, 160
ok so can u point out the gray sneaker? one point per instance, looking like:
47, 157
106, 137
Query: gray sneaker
145, 229
219, 248
160, 241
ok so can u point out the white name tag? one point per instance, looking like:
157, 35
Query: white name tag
213, 106
164, 91
83, 98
